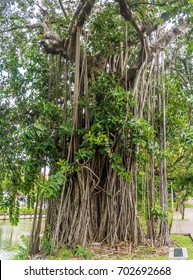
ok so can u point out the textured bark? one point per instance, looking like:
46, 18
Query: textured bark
34, 244
105, 213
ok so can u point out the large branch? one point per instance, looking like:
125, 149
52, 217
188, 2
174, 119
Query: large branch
147, 3
76, 14
55, 45
160, 45
46, 25
129, 16
87, 8
165, 40
66, 47
80, 16
30, 26
53, 48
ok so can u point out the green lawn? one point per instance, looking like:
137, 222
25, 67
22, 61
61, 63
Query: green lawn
178, 241
184, 242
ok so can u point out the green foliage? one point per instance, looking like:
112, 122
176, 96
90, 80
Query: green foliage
85, 153
64, 253
14, 213
107, 30
47, 246
187, 136
184, 185
23, 249
141, 132
185, 179
81, 251
65, 129
159, 214
51, 187
10, 201
117, 165
37, 138
110, 102
96, 140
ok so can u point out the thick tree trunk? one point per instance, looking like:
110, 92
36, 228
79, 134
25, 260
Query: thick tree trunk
105, 212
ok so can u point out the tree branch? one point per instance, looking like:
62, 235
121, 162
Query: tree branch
84, 8
76, 14
53, 49
165, 40
62, 8
30, 26
180, 158
146, 3
180, 75
129, 16
85, 12
41, 9
80, 15
152, 50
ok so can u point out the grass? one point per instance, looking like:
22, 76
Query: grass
150, 253
68, 253
189, 205
184, 241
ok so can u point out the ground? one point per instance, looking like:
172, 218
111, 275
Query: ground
120, 251
125, 251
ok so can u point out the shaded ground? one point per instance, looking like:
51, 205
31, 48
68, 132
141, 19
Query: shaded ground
185, 226
120, 251
125, 251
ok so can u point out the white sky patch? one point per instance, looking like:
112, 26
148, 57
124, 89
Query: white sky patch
21, 70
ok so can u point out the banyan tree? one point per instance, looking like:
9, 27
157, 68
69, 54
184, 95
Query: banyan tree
105, 75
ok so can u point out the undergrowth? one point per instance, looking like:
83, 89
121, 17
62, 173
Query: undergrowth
66, 253
23, 249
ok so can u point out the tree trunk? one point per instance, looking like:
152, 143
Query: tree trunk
164, 231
